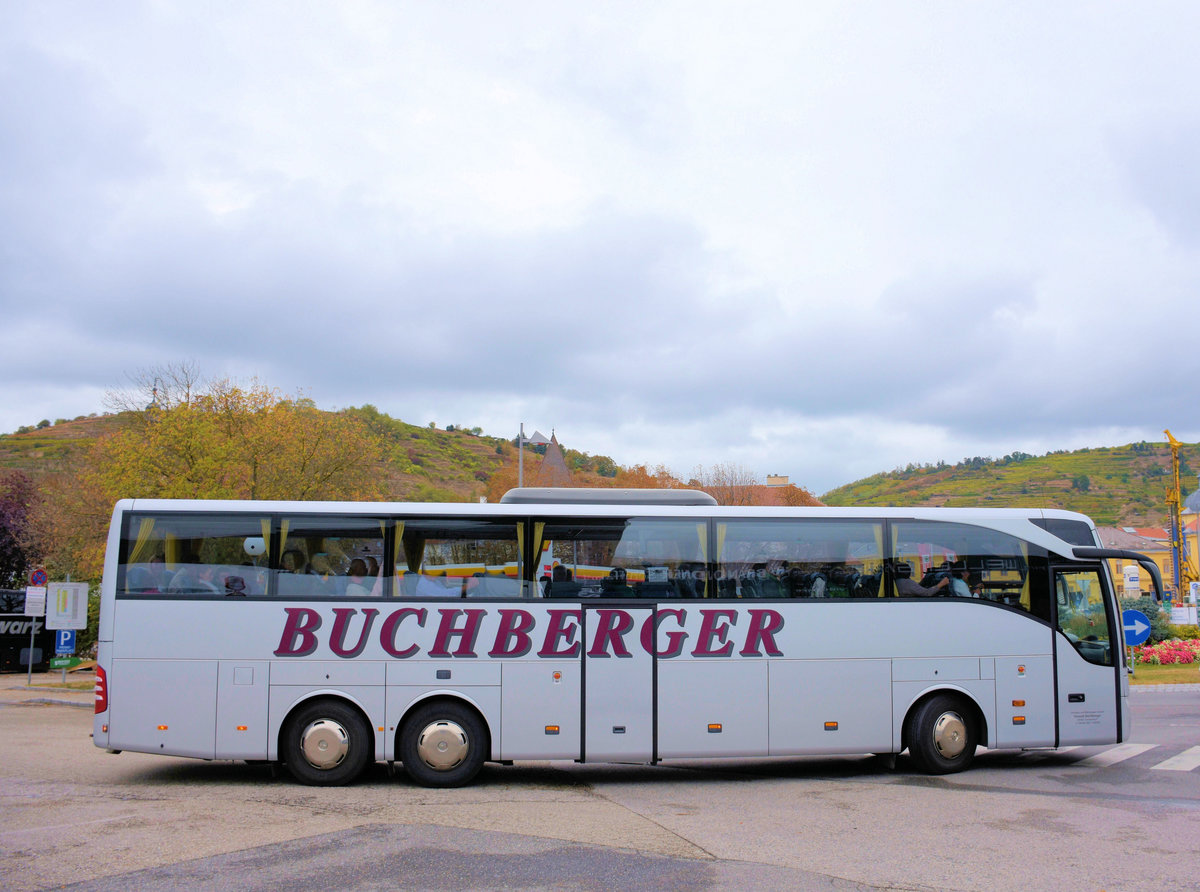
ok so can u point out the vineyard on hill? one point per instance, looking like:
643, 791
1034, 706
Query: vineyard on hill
1116, 486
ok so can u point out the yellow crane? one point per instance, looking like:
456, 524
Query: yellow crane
1182, 565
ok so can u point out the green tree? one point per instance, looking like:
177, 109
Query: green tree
202, 441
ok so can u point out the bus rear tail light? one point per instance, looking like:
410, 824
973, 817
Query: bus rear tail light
101, 690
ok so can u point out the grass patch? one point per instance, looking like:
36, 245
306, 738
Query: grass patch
1176, 673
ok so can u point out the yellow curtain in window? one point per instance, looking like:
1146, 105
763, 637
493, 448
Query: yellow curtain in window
702, 534
1025, 600
172, 550
396, 546
879, 552
266, 531
142, 545
539, 532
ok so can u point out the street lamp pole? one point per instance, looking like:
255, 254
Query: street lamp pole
521, 457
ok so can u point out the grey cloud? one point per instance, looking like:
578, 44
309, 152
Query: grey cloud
1160, 164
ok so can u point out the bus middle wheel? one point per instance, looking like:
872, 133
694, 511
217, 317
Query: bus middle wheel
326, 743
443, 745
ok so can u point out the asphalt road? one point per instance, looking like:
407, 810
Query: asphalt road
1111, 818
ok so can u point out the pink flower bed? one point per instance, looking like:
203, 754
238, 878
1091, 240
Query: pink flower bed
1169, 652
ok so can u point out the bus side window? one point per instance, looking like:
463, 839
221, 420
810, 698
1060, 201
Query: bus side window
1081, 614
193, 555
799, 558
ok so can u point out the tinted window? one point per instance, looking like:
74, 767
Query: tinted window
799, 558
458, 558
194, 555
337, 556
624, 558
1081, 614
964, 561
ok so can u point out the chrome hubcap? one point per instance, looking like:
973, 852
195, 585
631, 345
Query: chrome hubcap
324, 744
442, 745
950, 734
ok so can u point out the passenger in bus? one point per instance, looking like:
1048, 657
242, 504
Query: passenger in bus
418, 585
960, 585
358, 585
907, 587
292, 561
159, 577
195, 579
615, 585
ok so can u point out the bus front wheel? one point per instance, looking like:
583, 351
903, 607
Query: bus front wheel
443, 745
326, 743
942, 736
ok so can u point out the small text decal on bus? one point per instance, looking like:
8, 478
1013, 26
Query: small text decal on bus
456, 632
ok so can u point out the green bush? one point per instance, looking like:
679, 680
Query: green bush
1186, 633
1160, 620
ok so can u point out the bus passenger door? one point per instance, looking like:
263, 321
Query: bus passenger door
618, 685
1086, 659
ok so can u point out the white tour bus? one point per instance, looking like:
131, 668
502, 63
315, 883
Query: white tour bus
601, 625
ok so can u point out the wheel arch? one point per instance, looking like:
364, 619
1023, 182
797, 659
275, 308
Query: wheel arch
977, 714
310, 697
434, 697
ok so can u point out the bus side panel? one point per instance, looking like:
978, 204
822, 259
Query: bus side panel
541, 708
830, 706
242, 727
284, 698
1024, 701
100, 720
401, 698
163, 706
618, 698
1087, 699
708, 709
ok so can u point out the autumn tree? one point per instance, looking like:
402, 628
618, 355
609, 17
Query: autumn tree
185, 438
228, 441
728, 483
17, 496
642, 477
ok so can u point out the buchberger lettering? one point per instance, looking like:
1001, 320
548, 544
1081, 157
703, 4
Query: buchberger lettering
456, 632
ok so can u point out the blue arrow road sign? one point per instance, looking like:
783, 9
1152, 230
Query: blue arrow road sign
1136, 625
64, 641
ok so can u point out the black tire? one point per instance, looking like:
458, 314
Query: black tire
443, 744
942, 735
326, 744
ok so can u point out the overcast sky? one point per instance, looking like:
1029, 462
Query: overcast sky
813, 239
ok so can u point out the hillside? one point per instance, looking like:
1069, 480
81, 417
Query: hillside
1119, 485
418, 463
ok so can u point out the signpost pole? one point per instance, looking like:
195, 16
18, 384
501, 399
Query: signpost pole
29, 663
35, 606
64, 672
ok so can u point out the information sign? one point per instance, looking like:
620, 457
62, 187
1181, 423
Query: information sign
64, 641
35, 600
66, 605
1136, 625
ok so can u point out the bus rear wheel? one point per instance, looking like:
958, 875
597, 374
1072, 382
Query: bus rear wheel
942, 736
326, 743
443, 745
